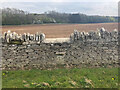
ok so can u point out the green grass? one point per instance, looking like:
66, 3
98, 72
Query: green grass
62, 78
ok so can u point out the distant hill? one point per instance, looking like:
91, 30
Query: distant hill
12, 16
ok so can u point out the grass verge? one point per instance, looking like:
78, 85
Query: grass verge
62, 78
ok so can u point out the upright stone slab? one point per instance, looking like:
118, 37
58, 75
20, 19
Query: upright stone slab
24, 37
42, 37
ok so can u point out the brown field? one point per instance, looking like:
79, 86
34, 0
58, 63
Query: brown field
59, 30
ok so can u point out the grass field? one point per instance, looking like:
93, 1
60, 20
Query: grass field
59, 30
62, 78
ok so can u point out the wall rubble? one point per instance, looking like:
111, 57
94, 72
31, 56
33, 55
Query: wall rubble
78, 53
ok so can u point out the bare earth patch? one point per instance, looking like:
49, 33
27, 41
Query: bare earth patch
55, 40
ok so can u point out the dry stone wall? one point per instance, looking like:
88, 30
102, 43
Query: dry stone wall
78, 53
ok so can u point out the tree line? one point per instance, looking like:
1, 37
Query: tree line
12, 16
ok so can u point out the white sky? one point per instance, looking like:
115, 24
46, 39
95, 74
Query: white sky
89, 7
59, 0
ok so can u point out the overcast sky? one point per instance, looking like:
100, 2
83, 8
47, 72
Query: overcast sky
90, 7
59, 0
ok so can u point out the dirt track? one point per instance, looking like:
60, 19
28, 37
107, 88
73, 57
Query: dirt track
58, 30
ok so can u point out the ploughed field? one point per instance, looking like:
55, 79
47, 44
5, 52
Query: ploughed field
58, 30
